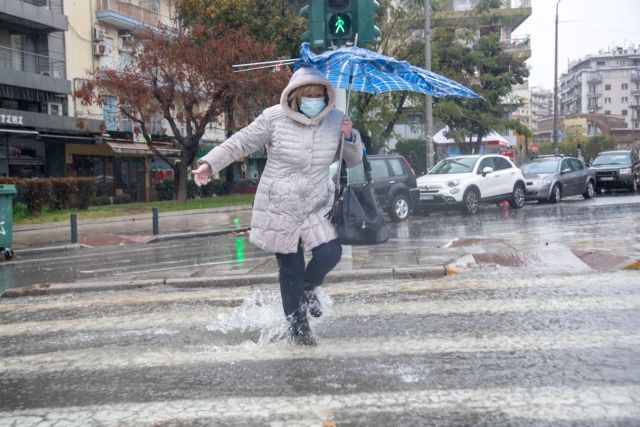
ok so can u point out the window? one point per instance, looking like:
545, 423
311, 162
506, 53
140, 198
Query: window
577, 164
607, 100
625, 86
624, 112
600, 63
566, 164
379, 170
501, 163
625, 99
396, 167
607, 112
486, 162
607, 87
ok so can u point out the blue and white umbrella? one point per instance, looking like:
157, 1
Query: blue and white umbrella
363, 70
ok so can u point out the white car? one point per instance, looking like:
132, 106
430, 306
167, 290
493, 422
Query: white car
467, 181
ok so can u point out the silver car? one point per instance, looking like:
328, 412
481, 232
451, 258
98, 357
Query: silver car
550, 178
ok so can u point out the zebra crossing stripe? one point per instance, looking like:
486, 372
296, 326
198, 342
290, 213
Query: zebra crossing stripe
134, 357
584, 405
205, 315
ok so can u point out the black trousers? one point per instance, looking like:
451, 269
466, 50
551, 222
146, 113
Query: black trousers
295, 278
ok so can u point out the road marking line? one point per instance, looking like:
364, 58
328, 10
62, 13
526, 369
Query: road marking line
544, 404
137, 356
202, 315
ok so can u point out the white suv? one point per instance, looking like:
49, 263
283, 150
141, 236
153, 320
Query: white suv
467, 181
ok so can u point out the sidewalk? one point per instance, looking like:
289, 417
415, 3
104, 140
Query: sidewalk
131, 229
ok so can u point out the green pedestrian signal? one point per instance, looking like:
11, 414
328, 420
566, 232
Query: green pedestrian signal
340, 25
339, 21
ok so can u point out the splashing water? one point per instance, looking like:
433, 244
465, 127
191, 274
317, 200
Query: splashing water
262, 312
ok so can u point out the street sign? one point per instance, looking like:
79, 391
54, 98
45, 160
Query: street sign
534, 148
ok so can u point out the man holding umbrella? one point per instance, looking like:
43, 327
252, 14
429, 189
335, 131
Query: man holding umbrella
302, 135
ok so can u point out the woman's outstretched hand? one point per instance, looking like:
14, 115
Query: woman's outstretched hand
202, 175
347, 125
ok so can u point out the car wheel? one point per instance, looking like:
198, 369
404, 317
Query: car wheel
556, 194
399, 209
591, 191
471, 201
517, 199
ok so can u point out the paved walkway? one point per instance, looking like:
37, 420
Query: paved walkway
131, 229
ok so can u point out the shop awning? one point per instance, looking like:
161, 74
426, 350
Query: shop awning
124, 147
129, 148
19, 131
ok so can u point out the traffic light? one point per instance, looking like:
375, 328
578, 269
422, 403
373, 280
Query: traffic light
365, 21
315, 14
339, 15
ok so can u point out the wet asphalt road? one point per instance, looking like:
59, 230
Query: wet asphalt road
485, 349
608, 223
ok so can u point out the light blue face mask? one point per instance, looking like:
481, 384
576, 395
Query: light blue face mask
311, 107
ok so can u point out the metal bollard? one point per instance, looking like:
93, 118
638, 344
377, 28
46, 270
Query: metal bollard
74, 228
155, 221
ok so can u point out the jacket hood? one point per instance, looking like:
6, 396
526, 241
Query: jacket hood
306, 76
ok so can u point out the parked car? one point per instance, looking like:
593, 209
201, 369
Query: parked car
617, 169
549, 178
394, 182
467, 181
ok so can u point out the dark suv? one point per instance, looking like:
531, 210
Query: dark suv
393, 180
617, 169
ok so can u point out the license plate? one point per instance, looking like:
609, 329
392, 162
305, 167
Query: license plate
606, 178
426, 197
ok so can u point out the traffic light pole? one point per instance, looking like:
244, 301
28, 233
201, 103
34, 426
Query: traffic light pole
428, 102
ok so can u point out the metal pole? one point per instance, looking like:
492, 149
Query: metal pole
155, 221
74, 227
555, 89
428, 103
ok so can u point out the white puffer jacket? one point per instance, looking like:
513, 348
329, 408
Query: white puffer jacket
295, 191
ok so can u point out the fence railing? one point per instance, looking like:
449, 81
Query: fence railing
29, 62
132, 11
516, 43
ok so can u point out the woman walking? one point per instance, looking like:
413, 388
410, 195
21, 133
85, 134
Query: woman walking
295, 193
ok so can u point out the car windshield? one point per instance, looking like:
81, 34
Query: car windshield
541, 166
612, 159
457, 165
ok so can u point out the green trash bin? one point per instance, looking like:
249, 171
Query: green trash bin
7, 193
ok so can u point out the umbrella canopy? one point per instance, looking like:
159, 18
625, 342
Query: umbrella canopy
363, 70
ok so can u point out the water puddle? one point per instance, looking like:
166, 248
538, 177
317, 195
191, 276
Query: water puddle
261, 312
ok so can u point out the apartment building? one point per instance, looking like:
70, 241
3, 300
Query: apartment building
541, 106
35, 120
607, 83
104, 33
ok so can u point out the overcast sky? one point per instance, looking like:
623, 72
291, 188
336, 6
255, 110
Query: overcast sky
585, 27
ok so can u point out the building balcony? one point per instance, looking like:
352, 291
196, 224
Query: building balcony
635, 76
30, 70
127, 16
511, 12
517, 46
594, 94
34, 14
594, 79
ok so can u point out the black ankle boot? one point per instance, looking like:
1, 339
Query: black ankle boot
313, 303
301, 332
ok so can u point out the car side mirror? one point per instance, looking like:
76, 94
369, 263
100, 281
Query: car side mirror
487, 170
566, 170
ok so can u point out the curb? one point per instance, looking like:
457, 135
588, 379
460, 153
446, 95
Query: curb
224, 281
45, 249
190, 234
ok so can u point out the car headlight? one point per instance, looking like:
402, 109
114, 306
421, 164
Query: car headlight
542, 182
453, 183
625, 170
